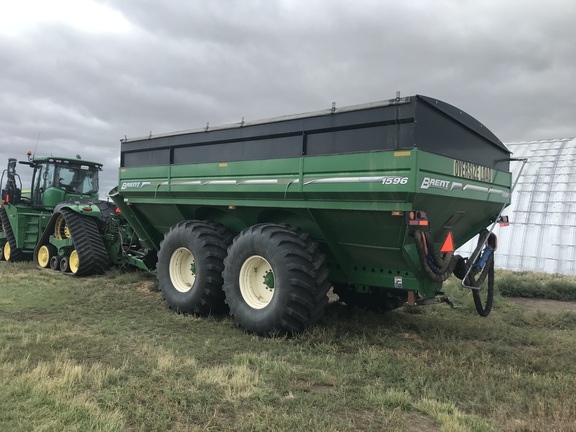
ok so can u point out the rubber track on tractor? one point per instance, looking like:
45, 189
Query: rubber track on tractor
88, 242
15, 254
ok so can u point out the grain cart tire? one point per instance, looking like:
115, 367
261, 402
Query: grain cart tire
484, 310
275, 280
190, 265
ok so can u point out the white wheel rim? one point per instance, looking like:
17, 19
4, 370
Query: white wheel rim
255, 276
182, 269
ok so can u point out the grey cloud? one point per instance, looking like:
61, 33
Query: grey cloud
509, 64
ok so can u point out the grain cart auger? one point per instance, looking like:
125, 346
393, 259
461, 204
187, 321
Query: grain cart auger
61, 224
371, 199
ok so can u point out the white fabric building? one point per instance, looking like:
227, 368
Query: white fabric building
541, 236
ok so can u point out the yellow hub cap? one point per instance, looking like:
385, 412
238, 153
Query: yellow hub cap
74, 261
7, 251
44, 256
61, 230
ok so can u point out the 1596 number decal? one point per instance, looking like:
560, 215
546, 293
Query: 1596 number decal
395, 180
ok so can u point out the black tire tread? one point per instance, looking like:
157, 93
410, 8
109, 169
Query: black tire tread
16, 253
306, 281
215, 240
88, 243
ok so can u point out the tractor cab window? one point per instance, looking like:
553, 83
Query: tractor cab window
79, 179
38, 183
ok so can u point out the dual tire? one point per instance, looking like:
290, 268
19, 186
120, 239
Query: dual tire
272, 277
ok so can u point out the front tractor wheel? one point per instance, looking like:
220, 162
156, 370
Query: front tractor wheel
190, 265
275, 280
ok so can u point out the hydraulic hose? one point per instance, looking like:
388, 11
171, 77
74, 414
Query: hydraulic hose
437, 268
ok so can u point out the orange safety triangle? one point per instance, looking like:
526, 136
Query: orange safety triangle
448, 245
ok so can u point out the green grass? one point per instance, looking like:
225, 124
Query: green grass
104, 354
537, 285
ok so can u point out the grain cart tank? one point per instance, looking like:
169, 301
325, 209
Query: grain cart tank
370, 199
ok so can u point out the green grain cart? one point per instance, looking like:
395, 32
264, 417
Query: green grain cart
264, 217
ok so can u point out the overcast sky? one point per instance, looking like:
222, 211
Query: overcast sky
78, 75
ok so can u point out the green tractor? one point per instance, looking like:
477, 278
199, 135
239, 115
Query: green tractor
60, 223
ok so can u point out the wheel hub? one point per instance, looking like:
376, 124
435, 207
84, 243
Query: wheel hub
269, 279
182, 269
257, 282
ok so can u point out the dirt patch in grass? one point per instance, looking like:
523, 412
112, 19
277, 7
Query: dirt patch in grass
419, 423
550, 306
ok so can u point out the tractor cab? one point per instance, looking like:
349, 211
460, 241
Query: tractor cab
56, 180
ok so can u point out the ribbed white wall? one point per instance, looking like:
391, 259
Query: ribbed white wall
542, 232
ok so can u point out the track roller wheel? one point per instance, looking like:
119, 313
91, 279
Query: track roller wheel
65, 265
45, 254
74, 262
55, 262
7, 251
275, 280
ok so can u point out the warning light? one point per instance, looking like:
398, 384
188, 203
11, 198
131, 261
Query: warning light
418, 218
503, 221
117, 210
448, 245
